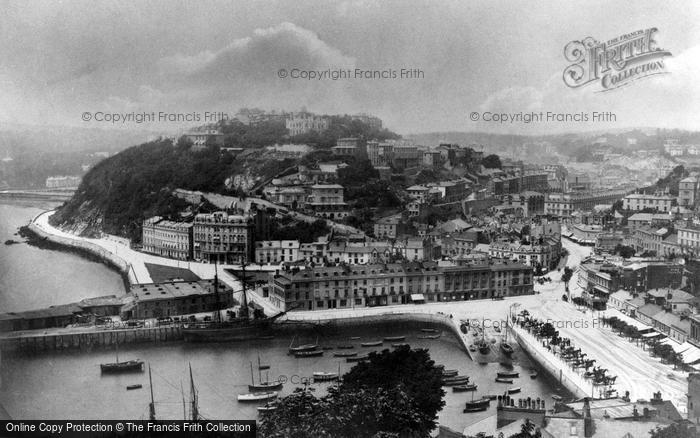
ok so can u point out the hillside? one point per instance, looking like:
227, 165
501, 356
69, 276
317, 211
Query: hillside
119, 192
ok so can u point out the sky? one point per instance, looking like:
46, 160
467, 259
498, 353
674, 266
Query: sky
59, 60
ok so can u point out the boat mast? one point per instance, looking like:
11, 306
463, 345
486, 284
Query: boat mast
244, 308
217, 314
193, 398
184, 404
259, 371
252, 380
152, 405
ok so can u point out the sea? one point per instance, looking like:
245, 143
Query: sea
63, 385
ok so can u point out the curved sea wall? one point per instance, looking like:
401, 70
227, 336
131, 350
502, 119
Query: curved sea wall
86, 249
389, 317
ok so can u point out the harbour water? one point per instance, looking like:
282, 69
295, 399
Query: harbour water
61, 385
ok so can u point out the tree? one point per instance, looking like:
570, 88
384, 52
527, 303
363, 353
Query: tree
395, 394
412, 369
528, 430
624, 251
675, 430
492, 161
566, 276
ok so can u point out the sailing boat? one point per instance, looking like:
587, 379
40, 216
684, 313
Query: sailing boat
121, 367
483, 346
506, 348
303, 348
262, 386
238, 329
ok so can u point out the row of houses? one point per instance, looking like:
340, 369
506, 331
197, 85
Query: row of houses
348, 286
358, 253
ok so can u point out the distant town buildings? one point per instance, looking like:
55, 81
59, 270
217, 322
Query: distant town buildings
200, 139
327, 200
305, 122
63, 182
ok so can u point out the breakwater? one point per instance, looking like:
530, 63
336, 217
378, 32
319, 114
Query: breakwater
87, 340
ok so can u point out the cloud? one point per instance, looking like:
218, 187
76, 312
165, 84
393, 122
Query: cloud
257, 58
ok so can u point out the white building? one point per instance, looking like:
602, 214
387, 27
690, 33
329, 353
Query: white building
276, 251
640, 201
302, 123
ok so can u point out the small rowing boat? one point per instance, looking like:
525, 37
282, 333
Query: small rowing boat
345, 353
321, 376
429, 336
513, 390
371, 343
357, 358
267, 408
503, 380
449, 373
136, 386
311, 353
394, 338
400, 344
429, 330
464, 388
508, 374
258, 396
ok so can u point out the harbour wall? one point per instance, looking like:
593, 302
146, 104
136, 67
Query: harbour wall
557, 368
85, 341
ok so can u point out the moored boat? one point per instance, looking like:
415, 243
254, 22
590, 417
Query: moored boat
429, 330
265, 386
464, 388
534, 375
429, 336
513, 390
136, 386
122, 367
322, 376
257, 396
484, 347
394, 338
400, 344
371, 343
503, 380
506, 348
477, 405
449, 373
357, 358
455, 382
345, 353
308, 353
508, 374
267, 408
